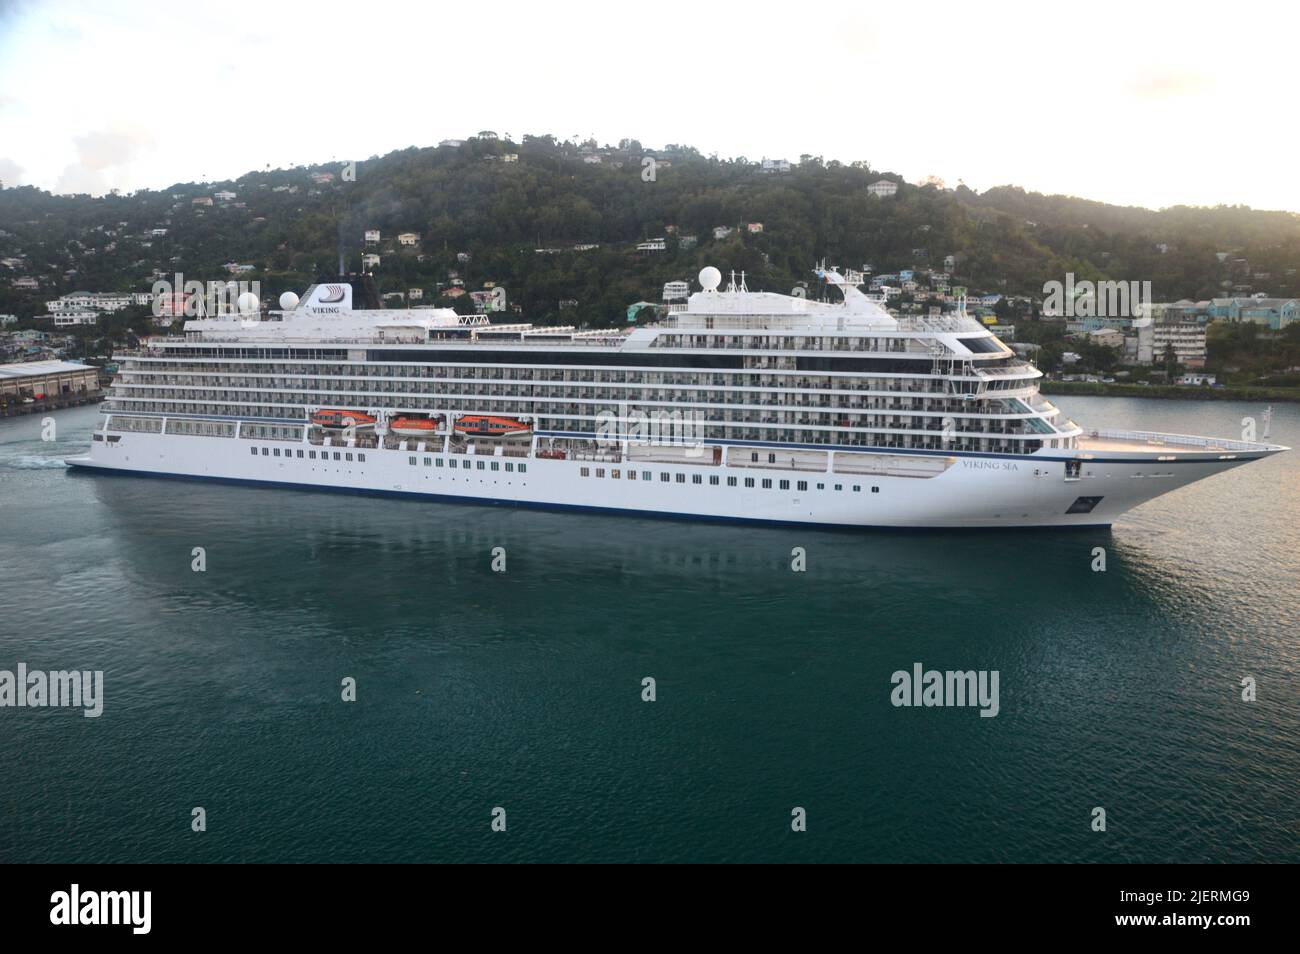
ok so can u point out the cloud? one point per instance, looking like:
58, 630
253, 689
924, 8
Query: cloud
1168, 83
11, 174
103, 155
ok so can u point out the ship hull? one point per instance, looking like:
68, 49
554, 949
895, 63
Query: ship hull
974, 491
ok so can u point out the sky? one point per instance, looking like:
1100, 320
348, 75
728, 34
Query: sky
1150, 104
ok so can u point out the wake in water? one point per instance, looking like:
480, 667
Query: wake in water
33, 462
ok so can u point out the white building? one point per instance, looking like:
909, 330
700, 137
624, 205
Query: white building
883, 188
223, 196
370, 261
65, 319
1187, 339
653, 245
677, 291
8, 319
721, 232
92, 301
409, 239
775, 165
414, 294
372, 236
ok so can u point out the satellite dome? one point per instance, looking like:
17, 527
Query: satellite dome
248, 303
288, 301
710, 278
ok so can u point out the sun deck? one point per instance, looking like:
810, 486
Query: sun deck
1105, 441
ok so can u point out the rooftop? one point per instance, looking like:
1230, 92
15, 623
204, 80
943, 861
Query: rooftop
27, 369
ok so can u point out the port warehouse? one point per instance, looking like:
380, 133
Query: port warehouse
50, 381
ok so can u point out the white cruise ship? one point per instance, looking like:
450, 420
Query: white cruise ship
740, 405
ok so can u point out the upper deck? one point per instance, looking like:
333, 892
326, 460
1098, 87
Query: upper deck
1143, 445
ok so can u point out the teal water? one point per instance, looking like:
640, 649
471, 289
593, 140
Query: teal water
522, 690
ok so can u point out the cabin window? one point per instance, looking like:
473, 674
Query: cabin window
409, 460
631, 475
584, 471
361, 458
839, 486
784, 485
311, 454
253, 451
510, 468
496, 466
663, 477
771, 458
713, 480
696, 479
749, 481
428, 462
754, 457
336, 457
767, 483
300, 453
857, 488
276, 452
480, 465
802, 485
523, 468
441, 462
347, 456
645, 475
731, 481
616, 474
821, 486
875, 490
600, 471
681, 478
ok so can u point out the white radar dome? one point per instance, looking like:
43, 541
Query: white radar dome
710, 278
288, 301
248, 303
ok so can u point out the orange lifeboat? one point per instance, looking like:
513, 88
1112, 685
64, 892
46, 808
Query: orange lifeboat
483, 425
414, 426
339, 420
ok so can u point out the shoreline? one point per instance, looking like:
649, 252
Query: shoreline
1170, 391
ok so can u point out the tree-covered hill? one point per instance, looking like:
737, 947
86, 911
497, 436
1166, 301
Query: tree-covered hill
468, 199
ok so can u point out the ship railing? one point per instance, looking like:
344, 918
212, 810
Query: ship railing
1155, 438
614, 338
939, 323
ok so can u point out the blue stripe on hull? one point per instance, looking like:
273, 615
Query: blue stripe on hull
582, 508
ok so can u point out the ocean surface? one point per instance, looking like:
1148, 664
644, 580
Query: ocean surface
522, 690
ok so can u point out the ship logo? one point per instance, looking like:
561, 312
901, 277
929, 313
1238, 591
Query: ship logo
333, 295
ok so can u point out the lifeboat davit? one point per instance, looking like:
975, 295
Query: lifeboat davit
483, 425
336, 420
414, 426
